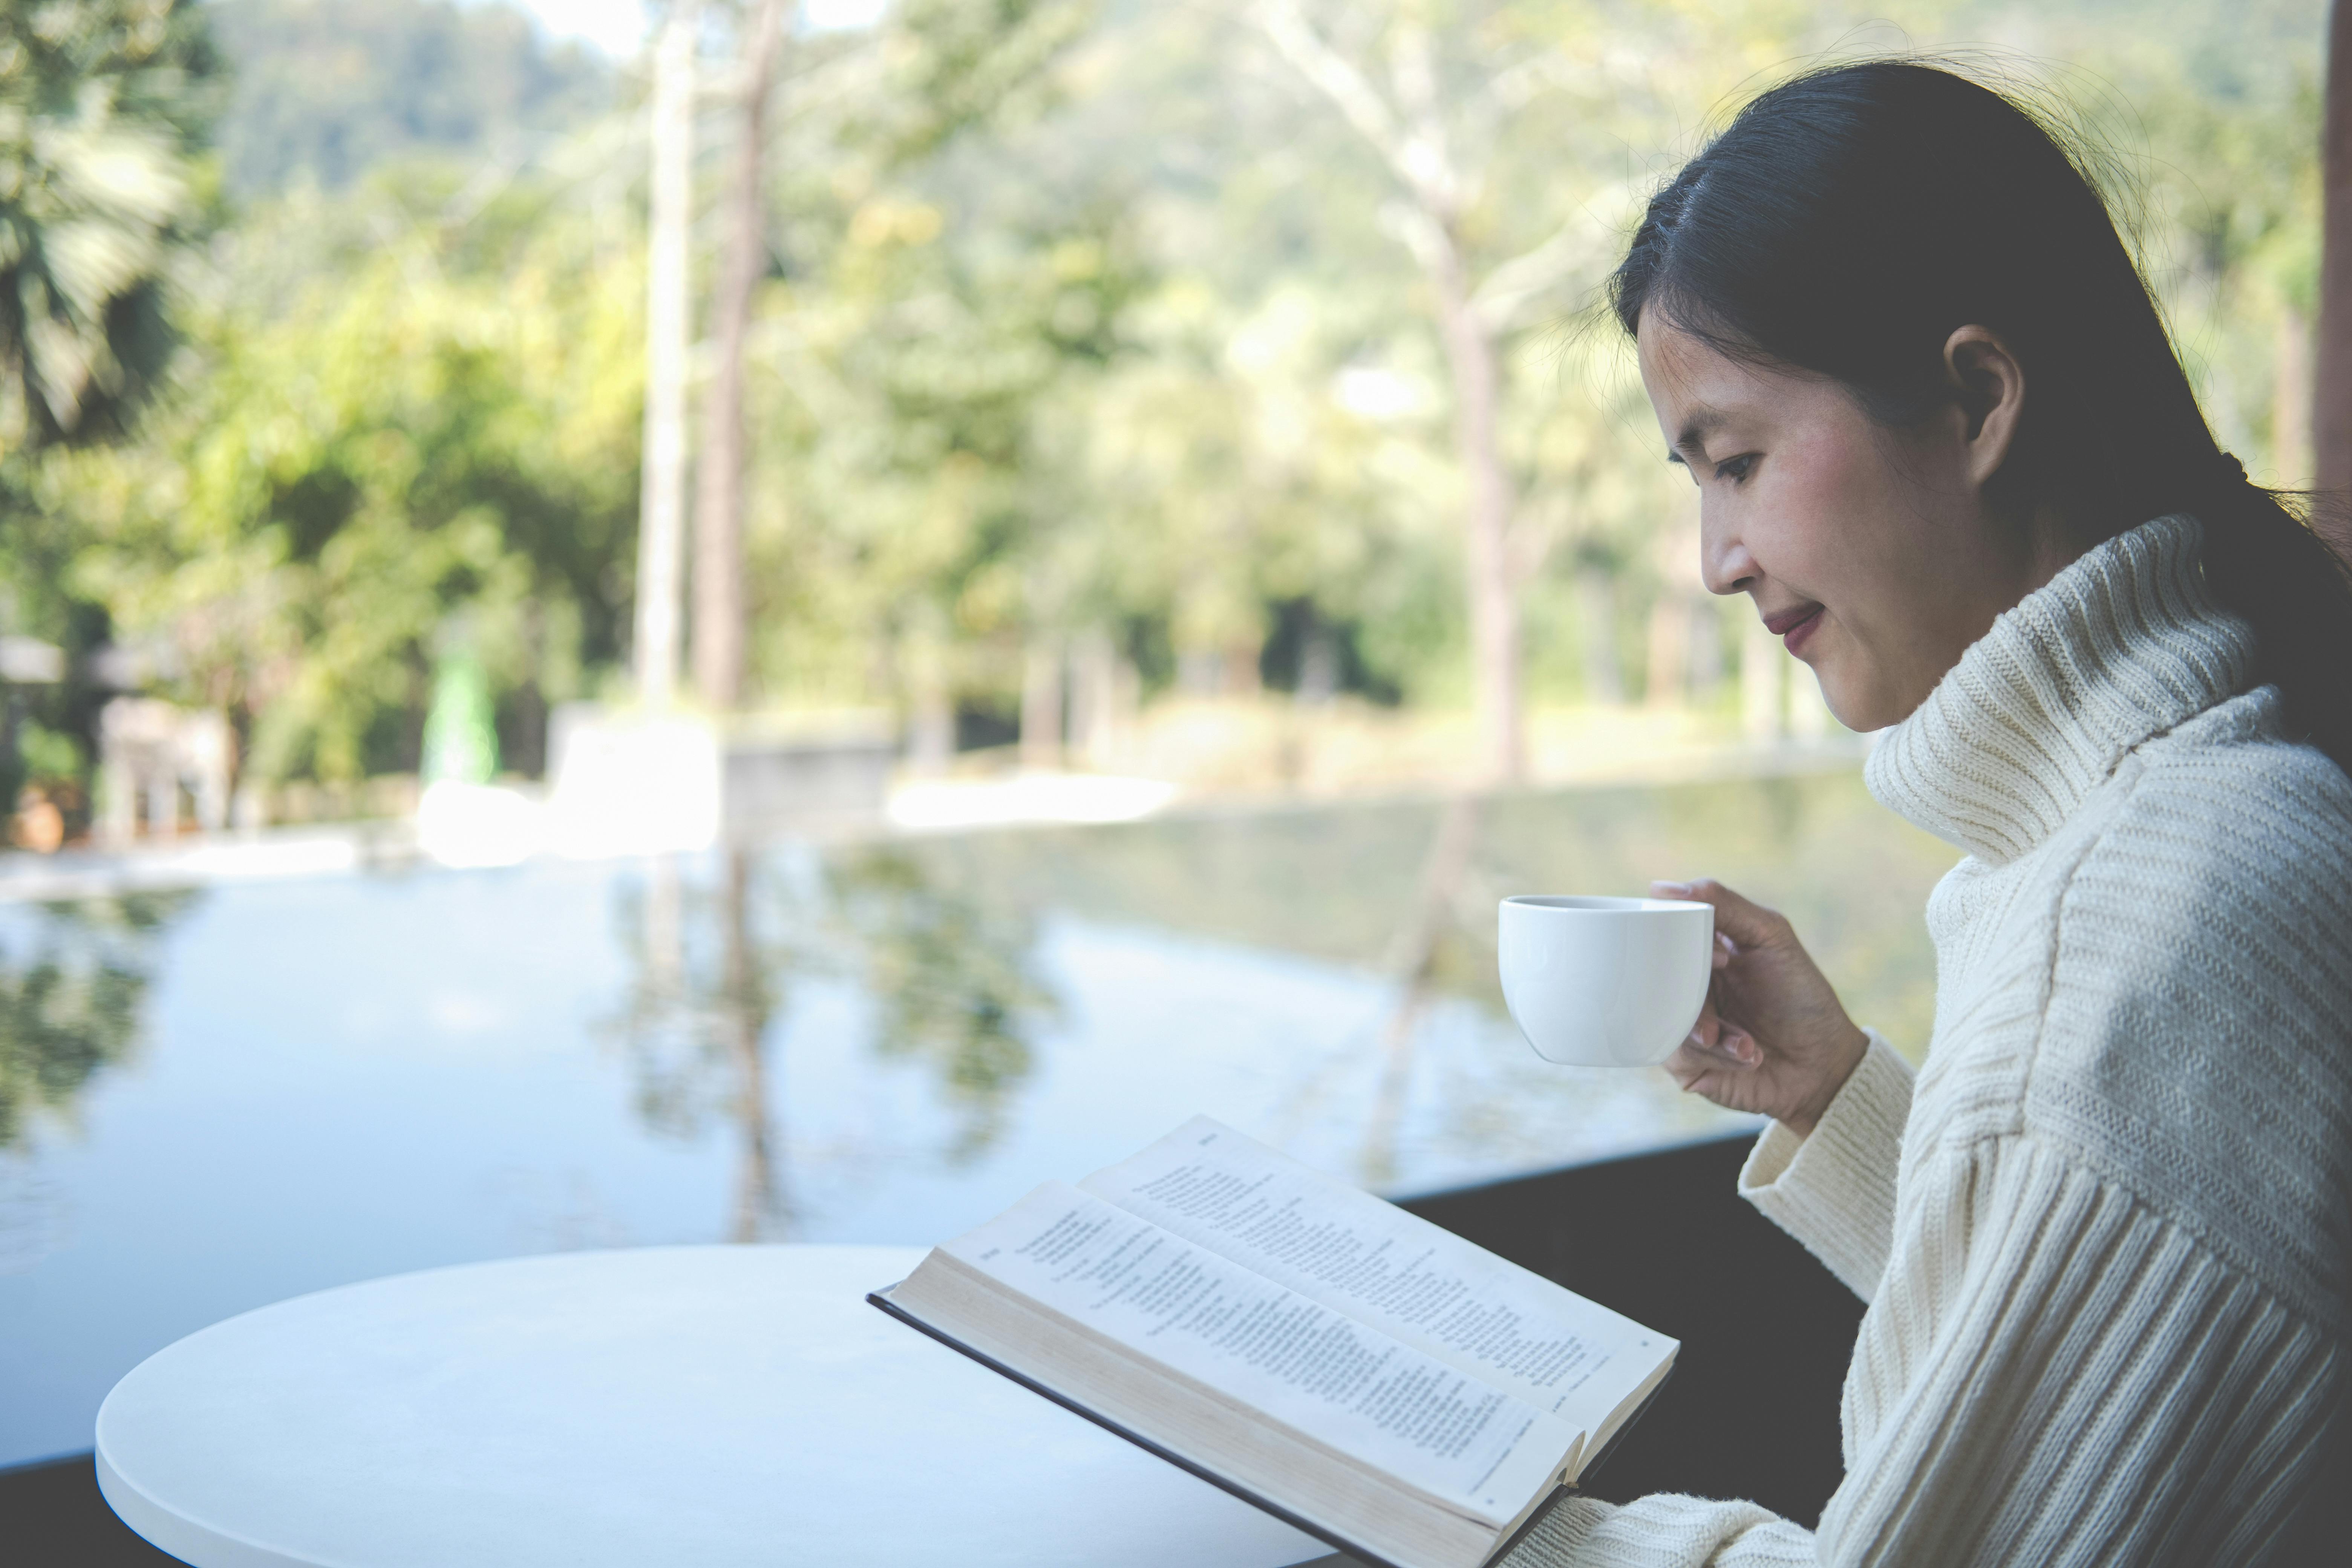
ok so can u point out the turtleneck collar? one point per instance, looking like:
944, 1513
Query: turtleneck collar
2124, 644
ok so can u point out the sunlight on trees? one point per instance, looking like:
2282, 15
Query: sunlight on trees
1090, 356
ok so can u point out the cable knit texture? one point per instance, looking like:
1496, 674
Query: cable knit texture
2103, 1235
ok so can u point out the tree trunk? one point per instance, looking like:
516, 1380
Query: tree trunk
1666, 679
1494, 603
2332, 392
1041, 705
1097, 720
932, 719
1762, 678
1705, 650
2291, 400
1197, 671
1238, 672
1596, 606
661, 506
719, 632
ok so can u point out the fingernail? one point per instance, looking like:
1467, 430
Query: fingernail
1676, 889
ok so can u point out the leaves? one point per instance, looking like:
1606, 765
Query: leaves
102, 102
1081, 322
399, 444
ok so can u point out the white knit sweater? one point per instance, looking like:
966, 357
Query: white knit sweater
2103, 1237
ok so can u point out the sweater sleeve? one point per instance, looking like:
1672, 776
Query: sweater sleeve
1834, 1191
2062, 1378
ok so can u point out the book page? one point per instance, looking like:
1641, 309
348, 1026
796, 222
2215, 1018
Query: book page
1343, 1248
1270, 1350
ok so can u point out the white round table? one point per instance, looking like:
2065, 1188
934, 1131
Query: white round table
705, 1406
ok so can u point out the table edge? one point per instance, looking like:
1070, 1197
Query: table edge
204, 1546
182, 1537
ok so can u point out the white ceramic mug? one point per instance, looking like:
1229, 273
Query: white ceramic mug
1605, 982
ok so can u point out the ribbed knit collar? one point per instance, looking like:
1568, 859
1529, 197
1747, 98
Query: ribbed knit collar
2125, 644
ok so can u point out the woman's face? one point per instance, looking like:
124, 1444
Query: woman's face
1869, 552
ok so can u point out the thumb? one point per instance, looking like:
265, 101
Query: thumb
1749, 923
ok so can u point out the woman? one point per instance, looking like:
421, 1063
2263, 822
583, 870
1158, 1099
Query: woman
1943, 443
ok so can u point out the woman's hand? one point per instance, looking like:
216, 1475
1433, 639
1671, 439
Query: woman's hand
1773, 1037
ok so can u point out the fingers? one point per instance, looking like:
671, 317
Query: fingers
1704, 1032
1715, 1071
1716, 1040
1745, 921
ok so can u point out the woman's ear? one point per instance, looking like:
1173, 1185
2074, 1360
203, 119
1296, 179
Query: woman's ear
1989, 383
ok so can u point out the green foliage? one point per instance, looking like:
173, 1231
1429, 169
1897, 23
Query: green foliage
948, 65
1081, 321
327, 89
403, 441
101, 104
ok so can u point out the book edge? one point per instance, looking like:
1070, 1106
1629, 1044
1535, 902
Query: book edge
1362, 1554
1600, 1456
1535, 1516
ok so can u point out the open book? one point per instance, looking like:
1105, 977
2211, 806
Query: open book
1382, 1384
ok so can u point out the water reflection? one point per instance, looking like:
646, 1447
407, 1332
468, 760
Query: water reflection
341, 1078
955, 985
708, 978
1435, 916
73, 980
1432, 1085
1347, 884
70, 989
718, 951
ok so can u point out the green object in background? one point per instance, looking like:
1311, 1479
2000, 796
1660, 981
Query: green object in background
461, 737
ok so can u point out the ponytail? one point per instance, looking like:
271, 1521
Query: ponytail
2265, 563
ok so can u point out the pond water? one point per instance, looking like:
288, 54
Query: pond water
215, 1099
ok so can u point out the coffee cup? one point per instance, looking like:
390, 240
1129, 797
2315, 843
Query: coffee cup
1596, 981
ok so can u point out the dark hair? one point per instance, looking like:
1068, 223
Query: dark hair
1849, 220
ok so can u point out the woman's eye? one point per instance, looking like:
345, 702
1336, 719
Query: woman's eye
1735, 468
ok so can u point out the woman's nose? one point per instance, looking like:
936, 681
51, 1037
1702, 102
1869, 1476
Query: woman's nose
1724, 563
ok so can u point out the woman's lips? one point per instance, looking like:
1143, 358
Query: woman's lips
1794, 628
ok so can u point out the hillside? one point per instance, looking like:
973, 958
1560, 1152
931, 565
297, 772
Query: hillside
327, 88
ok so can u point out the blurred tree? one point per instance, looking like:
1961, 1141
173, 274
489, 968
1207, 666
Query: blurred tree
1435, 124
328, 89
440, 421
104, 104
930, 308
719, 632
2332, 411
1071, 337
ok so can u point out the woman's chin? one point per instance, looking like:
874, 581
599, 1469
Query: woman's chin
1854, 703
